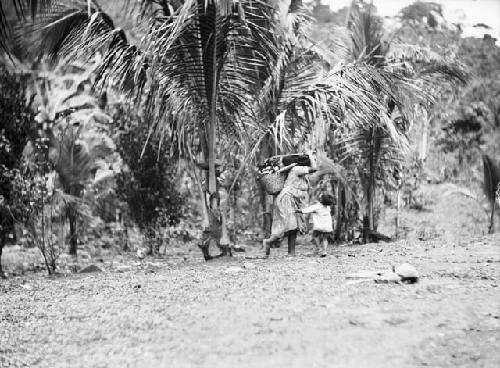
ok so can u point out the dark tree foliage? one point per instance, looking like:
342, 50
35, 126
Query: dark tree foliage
465, 132
16, 119
148, 186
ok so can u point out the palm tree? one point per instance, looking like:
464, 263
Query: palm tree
408, 75
70, 119
193, 69
21, 8
309, 92
306, 91
76, 161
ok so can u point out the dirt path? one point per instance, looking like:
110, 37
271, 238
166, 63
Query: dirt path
281, 312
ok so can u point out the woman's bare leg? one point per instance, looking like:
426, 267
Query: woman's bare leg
292, 238
266, 243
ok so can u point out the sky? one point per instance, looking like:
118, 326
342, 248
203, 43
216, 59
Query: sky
467, 12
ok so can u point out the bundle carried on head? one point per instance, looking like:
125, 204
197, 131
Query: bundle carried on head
272, 180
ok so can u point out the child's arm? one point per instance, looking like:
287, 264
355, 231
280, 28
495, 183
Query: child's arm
309, 209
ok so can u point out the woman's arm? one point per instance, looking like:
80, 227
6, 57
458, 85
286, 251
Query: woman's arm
304, 170
312, 170
287, 168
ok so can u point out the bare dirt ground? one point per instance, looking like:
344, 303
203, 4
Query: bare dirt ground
279, 312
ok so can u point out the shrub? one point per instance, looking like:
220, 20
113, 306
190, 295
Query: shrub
148, 183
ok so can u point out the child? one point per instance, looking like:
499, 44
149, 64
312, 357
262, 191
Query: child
322, 222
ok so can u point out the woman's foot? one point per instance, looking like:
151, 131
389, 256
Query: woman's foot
267, 247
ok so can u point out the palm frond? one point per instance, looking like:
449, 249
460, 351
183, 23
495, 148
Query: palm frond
185, 72
173, 65
417, 62
346, 95
367, 35
356, 149
22, 8
65, 202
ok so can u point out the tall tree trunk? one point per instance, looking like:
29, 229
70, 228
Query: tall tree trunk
209, 37
340, 211
73, 239
212, 141
422, 151
398, 207
491, 228
2, 243
368, 226
224, 242
372, 188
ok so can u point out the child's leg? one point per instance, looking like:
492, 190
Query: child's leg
316, 244
325, 245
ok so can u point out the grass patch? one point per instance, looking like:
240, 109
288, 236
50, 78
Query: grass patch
18, 260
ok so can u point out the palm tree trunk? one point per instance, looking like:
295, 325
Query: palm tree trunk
211, 68
340, 211
73, 240
368, 228
224, 240
398, 207
2, 243
491, 228
422, 152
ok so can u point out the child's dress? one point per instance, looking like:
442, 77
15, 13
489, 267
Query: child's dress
322, 224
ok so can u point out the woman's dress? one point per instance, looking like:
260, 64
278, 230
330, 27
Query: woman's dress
291, 198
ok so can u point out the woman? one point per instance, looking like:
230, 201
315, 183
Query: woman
286, 221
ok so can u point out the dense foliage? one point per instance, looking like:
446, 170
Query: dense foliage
148, 182
16, 120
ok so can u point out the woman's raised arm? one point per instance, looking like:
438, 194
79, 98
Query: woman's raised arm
287, 168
